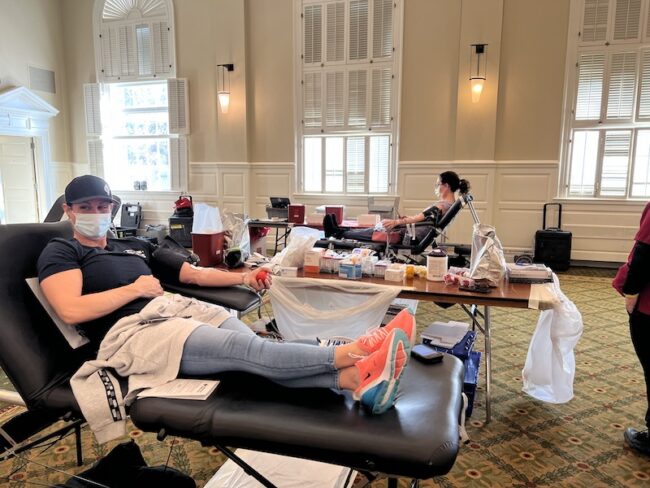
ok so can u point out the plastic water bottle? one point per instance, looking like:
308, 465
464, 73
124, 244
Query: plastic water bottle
436, 265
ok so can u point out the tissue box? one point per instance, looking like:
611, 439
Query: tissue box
350, 271
291, 271
311, 264
368, 219
337, 210
394, 274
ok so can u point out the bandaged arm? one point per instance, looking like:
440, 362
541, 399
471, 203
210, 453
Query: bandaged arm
196, 275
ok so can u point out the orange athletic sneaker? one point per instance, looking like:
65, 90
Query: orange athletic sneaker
381, 371
373, 340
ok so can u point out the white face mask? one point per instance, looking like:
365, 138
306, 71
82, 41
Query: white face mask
94, 225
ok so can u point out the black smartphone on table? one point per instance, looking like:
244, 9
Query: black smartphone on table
426, 354
475, 289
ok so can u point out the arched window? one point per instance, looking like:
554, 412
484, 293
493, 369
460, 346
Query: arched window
134, 40
137, 112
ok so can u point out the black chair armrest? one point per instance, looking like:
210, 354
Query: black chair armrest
238, 298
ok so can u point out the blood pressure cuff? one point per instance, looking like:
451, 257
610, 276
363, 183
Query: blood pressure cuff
432, 214
168, 258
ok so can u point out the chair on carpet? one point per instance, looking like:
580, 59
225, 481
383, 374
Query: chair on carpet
419, 438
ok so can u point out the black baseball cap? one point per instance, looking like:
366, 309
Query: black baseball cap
87, 187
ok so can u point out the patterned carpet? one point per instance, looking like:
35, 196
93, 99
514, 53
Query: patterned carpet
528, 443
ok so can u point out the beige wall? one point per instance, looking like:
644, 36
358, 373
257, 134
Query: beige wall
531, 79
208, 32
429, 80
518, 117
269, 39
31, 34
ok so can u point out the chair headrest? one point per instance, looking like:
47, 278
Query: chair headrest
453, 211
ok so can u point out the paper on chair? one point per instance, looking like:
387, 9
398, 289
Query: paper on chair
185, 389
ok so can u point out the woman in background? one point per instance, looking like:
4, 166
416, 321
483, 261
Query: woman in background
633, 282
445, 190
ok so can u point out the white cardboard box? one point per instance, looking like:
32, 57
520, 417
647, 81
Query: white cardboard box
282, 471
368, 219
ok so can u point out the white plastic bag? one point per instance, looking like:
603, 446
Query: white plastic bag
550, 364
300, 242
237, 235
207, 219
487, 261
306, 308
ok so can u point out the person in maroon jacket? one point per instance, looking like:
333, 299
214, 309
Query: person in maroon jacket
633, 282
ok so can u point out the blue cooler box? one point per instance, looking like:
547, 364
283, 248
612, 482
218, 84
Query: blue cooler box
472, 365
461, 350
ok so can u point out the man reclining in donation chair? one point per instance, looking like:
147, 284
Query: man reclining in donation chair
416, 232
110, 288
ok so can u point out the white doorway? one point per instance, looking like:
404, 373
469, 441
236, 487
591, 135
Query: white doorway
18, 186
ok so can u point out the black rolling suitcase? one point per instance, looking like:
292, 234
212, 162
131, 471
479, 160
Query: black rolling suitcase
552, 244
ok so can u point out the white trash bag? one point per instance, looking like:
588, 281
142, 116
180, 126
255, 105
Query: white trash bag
301, 240
550, 364
487, 261
207, 219
307, 308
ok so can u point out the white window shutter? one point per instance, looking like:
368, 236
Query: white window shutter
335, 32
92, 109
622, 85
356, 164
143, 38
357, 96
378, 164
591, 68
127, 50
382, 29
161, 48
616, 158
178, 158
312, 34
358, 30
96, 156
594, 21
627, 20
644, 91
334, 103
110, 53
380, 106
311, 101
177, 97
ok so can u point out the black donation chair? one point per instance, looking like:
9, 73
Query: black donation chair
436, 228
419, 438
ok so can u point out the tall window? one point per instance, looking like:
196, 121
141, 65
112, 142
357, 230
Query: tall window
607, 143
136, 135
348, 88
136, 116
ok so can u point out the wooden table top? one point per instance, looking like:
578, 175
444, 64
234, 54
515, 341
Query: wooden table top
513, 295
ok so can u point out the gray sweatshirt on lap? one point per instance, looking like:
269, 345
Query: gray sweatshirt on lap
145, 347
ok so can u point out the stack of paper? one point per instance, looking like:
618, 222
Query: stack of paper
184, 389
445, 335
529, 273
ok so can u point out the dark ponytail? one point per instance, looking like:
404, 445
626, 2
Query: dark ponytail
455, 183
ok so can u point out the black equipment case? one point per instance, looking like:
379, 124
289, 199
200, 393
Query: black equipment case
552, 244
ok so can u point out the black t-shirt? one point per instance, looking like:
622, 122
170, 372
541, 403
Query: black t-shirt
120, 263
